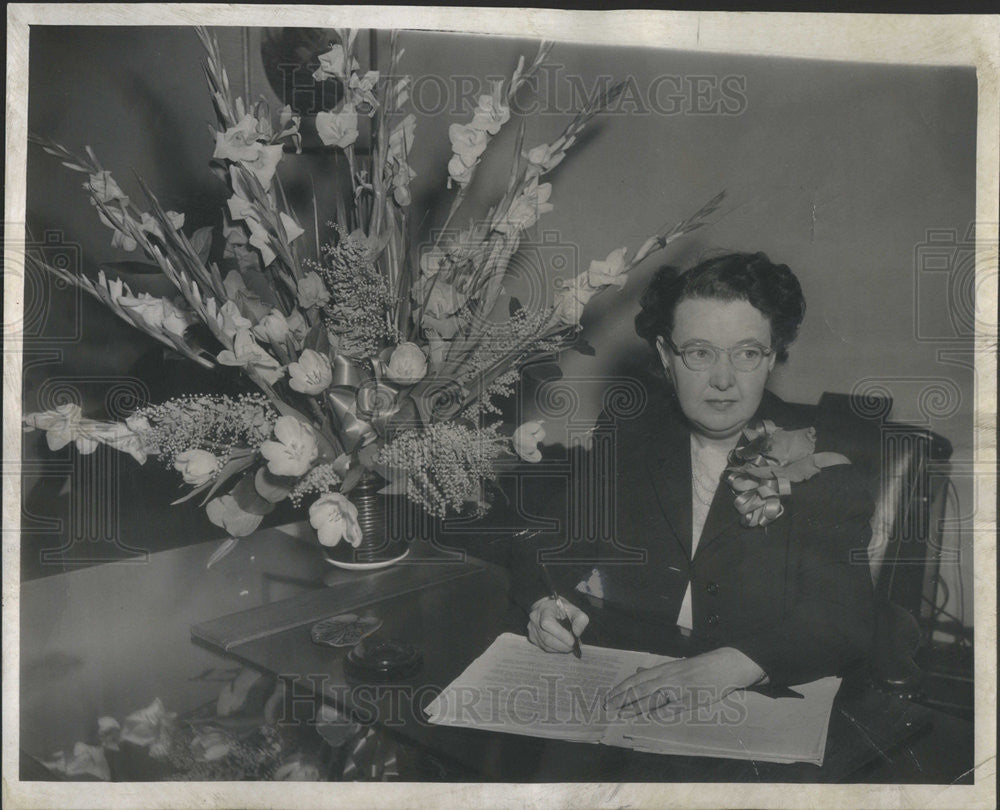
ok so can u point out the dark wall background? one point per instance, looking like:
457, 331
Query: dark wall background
852, 174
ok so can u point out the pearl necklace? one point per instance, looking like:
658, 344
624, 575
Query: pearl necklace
706, 475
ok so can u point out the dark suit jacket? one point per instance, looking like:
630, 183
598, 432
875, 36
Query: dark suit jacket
792, 596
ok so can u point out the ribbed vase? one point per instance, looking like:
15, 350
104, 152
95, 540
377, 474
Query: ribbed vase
377, 545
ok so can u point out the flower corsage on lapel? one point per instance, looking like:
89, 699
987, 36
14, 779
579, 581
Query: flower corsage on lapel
766, 462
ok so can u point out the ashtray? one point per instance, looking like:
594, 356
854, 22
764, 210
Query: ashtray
344, 630
382, 660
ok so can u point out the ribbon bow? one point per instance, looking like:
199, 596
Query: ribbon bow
764, 465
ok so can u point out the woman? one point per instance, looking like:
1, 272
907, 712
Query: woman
782, 601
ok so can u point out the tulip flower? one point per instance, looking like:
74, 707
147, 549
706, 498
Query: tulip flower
312, 373
407, 364
272, 327
196, 466
295, 449
335, 518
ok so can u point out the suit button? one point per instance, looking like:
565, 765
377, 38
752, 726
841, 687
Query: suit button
712, 588
713, 619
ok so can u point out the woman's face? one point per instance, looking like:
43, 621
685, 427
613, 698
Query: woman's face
720, 400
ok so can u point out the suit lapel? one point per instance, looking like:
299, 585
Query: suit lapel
669, 468
722, 516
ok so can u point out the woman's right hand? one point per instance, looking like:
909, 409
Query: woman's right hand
544, 629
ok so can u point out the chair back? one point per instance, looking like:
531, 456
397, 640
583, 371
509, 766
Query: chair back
905, 466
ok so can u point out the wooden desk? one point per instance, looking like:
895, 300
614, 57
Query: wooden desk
461, 609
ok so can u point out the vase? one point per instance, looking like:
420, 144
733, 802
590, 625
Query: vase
382, 543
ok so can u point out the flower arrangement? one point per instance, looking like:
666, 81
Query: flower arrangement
368, 356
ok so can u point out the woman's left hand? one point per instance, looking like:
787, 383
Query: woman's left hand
685, 684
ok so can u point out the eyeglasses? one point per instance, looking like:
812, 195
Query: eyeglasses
701, 356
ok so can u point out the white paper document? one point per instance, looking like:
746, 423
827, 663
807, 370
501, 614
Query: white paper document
517, 688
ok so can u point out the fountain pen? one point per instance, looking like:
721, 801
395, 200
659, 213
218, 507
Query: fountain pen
564, 619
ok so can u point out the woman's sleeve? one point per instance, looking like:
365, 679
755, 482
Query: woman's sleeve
830, 625
545, 499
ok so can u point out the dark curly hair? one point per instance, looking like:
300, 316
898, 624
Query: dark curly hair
771, 288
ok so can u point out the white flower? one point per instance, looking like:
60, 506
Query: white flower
407, 364
265, 162
312, 374
272, 327
571, 299
295, 449
196, 466
526, 440
334, 517
177, 317
312, 291
102, 187
148, 727
146, 308
610, 271
333, 64
238, 142
126, 437
362, 89
467, 143
525, 210
240, 208
458, 172
247, 353
490, 114
227, 514
116, 287
338, 129
150, 225
64, 425
544, 158
230, 320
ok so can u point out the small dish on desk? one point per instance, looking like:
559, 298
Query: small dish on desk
344, 630
366, 566
382, 660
